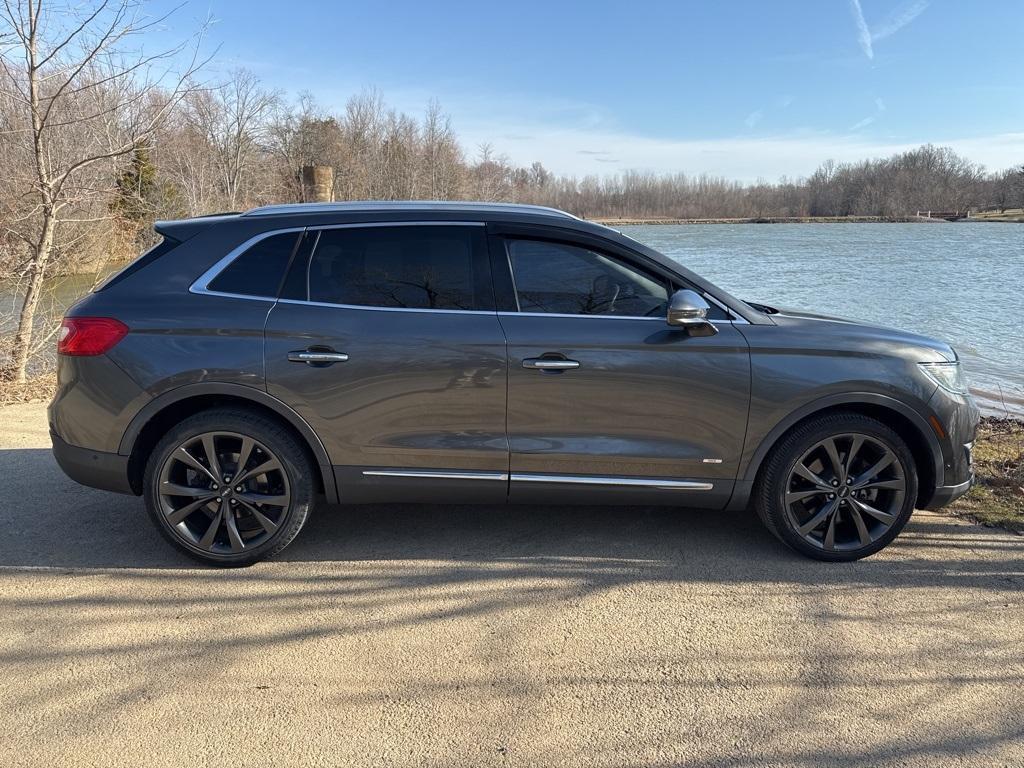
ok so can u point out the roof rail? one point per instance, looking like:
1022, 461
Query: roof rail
405, 205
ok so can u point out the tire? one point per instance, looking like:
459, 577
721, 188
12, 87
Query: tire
227, 523
821, 502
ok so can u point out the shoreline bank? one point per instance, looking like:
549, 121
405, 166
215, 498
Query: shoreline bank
642, 222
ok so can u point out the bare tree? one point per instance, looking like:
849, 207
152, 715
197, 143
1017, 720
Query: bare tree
88, 95
232, 118
362, 126
303, 135
442, 161
490, 178
1015, 187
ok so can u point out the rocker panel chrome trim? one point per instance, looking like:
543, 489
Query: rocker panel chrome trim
437, 474
631, 482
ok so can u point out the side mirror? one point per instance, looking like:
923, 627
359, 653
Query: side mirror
688, 310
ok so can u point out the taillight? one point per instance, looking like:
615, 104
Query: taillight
89, 335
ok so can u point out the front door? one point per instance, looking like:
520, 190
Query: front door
606, 401
386, 341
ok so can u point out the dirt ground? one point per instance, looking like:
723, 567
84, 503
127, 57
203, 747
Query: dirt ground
483, 636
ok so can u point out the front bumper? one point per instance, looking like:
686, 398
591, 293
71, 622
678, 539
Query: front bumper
945, 494
106, 471
957, 418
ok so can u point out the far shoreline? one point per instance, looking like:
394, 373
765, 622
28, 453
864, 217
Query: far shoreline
638, 221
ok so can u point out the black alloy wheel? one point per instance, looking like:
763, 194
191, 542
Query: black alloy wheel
839, 487
229, 487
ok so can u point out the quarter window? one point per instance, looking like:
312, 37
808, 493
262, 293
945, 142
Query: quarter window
566, 279
259, 270
410, 267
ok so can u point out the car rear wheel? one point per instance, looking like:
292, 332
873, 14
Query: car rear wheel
229, 487
838, 488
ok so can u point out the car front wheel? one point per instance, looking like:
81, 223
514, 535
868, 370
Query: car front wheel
838, 488
229, 487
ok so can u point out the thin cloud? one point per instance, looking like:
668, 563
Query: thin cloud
896, 20
880, 104
862, 124
744, 158
754, 118
863, 33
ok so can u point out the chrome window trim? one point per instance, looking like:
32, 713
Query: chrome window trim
589, 317
245, 296
629, 482
607, 317
490, 312
437, 474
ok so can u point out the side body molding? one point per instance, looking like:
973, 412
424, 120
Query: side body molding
159, 403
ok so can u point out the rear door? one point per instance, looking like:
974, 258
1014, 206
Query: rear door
387, 342
606, 401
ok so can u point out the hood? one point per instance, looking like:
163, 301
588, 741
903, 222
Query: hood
845, 332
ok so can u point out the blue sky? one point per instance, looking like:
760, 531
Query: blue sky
741, 88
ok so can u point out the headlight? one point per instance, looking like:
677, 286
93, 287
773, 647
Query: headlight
949, 376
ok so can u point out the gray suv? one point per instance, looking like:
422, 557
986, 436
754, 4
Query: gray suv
253, 363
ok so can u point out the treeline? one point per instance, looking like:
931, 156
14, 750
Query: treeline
240, 145
922, 179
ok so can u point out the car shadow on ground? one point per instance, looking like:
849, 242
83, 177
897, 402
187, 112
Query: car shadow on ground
51, 522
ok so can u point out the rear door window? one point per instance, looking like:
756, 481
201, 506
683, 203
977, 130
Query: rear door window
401, 267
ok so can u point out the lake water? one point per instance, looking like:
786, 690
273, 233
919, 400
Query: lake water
960, 282
58, 294
963, 282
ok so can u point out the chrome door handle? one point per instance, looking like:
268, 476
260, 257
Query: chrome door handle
550, 364
317, 357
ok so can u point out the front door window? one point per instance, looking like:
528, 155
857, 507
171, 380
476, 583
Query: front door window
558, 278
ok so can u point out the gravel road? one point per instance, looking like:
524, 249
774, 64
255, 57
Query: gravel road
484, 636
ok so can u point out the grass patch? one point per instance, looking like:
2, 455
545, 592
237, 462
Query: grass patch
1010, 214
998, 497
37, 389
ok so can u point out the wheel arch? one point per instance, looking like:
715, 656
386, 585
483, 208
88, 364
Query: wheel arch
152, 421
910, 425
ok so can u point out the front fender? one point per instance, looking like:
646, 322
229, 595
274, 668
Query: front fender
756, 451
752, 460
